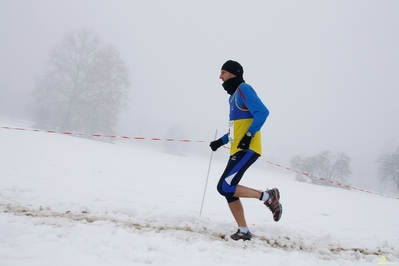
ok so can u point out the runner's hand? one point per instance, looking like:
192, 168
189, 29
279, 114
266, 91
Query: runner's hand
216, 144
244, 143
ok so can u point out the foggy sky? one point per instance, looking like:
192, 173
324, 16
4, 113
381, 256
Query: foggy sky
327, 70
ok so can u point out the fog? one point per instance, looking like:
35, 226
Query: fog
327, 70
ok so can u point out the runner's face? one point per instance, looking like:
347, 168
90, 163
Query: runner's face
225, 75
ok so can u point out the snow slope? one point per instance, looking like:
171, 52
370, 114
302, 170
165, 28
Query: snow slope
71, 201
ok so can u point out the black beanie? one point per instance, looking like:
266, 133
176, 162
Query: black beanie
233, 67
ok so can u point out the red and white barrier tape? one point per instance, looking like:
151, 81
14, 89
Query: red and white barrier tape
187, 140
330, 181
102, 135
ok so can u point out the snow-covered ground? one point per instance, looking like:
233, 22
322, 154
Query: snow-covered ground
71, 201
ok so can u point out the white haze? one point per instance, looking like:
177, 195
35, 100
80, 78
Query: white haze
327, 70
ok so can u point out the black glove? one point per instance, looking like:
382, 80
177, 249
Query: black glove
245, 141
216, 144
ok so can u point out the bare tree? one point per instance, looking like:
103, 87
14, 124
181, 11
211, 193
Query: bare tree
304, 165
323, 165
333, 167
389, 167
84, 87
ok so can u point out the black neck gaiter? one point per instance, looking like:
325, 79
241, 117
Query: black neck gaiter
232, 84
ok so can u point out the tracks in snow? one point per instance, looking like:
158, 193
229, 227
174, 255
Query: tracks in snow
196, 231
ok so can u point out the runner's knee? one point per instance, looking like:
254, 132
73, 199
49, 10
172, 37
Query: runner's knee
227, 191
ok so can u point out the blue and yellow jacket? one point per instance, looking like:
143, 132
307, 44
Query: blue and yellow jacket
247, 114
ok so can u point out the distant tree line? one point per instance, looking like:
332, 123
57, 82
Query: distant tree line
388, 167
336, 168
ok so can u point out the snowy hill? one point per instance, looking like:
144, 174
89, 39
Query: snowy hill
72, 201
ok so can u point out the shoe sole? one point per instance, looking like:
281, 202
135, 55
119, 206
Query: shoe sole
244, 239
281, 206
227, 237
281, 213
278, 193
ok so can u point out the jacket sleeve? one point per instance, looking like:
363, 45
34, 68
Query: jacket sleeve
247, 98
225, 138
